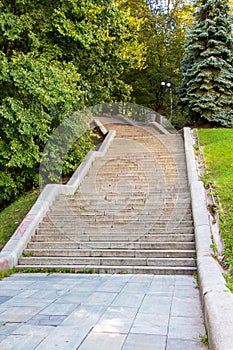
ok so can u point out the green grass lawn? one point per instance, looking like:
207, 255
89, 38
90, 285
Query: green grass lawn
218, 152
11, 216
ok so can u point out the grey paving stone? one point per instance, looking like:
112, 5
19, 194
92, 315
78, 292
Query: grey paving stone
63, 338
46, 289
21, 342
48, 294
30, 302
8, 328
150, 324
19, 285
4, 291
100, 298
145, 341
3, 299
74, 297
2, 309
128, 299
79, 311
88, 285
141, 278
136, 287
179, 344
84, 317
26, 293
164, 279
185, 280
185, 328
18, 314
2, 337
186, 307
167, 291
103, 341
46, 320
59, 309
28, 329
112, 285
156, 305
116, 320
182, 291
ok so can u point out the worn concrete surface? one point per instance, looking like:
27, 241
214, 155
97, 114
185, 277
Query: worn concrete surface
98, 312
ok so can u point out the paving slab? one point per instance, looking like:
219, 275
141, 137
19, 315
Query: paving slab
99, 311
145, 341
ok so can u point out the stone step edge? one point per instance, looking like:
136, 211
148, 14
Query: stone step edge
112, 269
109, 250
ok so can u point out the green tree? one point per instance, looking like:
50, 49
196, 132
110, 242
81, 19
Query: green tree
55, 57
162, 31
207, 87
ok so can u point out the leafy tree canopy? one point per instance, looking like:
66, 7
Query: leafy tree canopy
55, 57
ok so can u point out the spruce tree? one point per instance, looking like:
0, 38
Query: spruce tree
207, 67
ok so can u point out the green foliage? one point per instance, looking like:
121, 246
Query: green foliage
56, 57
162, 32
78, 152
207, 68
217, 145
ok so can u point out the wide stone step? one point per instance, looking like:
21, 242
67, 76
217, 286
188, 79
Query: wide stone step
165, 270
137, 232
127, 218
130, 253
83, 211
160, 238
113, 261
143, 242
81, 204
108, 223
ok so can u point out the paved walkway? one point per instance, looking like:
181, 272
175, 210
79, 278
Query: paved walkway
99, 312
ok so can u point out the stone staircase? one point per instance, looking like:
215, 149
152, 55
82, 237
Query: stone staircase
131, 214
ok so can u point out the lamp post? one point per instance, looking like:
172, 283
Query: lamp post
168, 84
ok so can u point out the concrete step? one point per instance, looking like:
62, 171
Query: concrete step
83, 211
100, 231
111, 226
126, 218
113, 261
131, 253
166, 270
158, 238
143, 242
81, 204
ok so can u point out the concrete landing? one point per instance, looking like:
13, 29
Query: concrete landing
99, 312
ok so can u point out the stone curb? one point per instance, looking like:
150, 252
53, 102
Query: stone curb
217, 300
13, 249
160, 128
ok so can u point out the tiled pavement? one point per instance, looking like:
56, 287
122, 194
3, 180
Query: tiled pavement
99, 312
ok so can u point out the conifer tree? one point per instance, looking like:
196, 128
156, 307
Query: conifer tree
207, 68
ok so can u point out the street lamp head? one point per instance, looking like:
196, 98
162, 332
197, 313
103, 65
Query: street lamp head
166, 84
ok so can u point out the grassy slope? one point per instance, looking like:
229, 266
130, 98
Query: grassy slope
218, 152
11, 216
